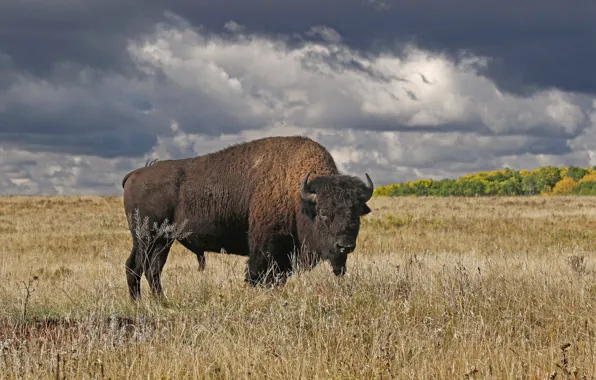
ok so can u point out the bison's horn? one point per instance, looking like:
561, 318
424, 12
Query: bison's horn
305, 192
369, 187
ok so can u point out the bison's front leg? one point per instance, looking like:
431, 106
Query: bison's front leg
201, 260
271, 265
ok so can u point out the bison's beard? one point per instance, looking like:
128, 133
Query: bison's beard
317, 247
338, 263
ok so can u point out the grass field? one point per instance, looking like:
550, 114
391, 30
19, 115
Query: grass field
485, 288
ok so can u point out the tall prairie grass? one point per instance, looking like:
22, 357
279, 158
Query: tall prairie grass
438, 288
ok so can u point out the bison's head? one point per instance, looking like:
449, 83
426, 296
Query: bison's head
333, 205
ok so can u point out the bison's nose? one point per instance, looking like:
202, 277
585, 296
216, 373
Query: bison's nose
345, 247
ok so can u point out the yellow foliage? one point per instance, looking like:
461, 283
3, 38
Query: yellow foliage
590, 177
465, 177
425, 182
481, 175
524, 172
565, 186
380, 191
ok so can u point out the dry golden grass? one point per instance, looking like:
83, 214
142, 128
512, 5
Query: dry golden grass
438, 288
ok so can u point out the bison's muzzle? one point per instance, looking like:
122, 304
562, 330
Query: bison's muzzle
345, 245
339, 258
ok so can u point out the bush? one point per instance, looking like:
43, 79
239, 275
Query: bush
565, 186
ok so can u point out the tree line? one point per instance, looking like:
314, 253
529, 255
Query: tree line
547, 180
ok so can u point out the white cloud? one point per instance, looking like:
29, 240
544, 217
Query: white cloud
38, 173
330, 85
378, 5
397, 116
234, 27
326, 33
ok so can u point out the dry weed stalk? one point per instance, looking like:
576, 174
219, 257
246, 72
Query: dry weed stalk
29, 290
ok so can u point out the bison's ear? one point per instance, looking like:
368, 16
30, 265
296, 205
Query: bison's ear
365, 210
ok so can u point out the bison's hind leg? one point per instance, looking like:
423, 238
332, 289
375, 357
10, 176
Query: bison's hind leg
134, 271
153, 265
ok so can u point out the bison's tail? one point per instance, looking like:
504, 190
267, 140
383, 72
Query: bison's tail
126, 177
148, 163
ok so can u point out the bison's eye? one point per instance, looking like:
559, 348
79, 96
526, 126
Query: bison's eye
324, 217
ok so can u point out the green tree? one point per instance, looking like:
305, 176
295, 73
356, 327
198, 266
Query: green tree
576, 173
511, 186
546, 178
585, 188
529, 185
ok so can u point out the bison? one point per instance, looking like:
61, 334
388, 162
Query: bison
281, 201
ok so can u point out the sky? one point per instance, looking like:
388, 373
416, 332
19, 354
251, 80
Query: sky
90, 89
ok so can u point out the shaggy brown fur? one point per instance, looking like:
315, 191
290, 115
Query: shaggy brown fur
244, 199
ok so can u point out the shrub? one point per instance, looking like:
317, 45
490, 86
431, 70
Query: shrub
565, 186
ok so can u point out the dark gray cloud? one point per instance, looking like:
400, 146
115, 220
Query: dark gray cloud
533, 43
39, 35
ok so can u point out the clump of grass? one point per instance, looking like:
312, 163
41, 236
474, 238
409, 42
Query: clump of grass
577, 263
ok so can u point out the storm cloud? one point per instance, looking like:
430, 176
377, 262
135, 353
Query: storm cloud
89, 90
